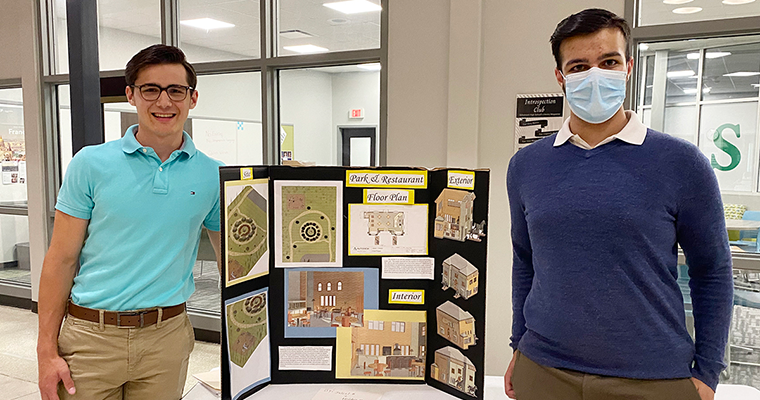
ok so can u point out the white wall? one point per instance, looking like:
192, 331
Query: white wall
426, 40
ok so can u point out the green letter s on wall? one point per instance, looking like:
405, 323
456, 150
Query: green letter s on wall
730, 149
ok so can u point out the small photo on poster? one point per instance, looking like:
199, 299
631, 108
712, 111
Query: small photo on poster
247, 341
537, 116
387, 229
308, 223
391, 345
247, 228
320, 300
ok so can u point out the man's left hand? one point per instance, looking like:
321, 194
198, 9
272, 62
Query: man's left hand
705, 393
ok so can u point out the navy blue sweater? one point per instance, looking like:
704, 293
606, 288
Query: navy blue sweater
595, 235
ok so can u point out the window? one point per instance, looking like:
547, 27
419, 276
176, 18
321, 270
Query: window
319, 287
657, 12
329, 286
14, 226
375, 325
340, 285
314, 111
321, 26
397, 326
219, 30
718, 109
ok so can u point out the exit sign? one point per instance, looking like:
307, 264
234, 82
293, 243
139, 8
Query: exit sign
356, 113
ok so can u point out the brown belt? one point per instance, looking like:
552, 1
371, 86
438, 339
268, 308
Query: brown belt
126, 319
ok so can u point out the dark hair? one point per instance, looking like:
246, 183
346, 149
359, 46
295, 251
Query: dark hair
587, 22
155, 55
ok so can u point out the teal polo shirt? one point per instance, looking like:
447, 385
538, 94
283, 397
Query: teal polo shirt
145, 221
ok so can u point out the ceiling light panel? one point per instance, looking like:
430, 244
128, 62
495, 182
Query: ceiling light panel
306, 49
741, 74
354, 6
206, 23
687, 10
681, 74
737, 2
677, 1
709, 55
370, 67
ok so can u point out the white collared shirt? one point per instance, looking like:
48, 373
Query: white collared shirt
634, 132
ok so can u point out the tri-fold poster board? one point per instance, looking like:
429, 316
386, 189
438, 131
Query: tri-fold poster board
343, 275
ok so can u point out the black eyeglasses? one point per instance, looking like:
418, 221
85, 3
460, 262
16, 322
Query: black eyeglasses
151, 92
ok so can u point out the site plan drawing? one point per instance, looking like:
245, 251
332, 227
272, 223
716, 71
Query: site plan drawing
308, 228
248, 340
247, 230
387, 229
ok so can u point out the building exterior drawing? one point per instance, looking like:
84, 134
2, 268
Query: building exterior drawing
460, 275
453, 215
454, 369
456, 325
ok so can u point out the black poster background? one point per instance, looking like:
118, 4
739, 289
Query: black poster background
439, 249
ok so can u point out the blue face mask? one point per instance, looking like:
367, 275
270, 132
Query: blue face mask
595, 95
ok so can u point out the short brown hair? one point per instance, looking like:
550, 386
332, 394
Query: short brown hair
586, 22
155, 55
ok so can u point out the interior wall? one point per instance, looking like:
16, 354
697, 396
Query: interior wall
11, 61
418, 59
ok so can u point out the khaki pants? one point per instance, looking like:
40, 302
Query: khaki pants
532, 381
114, 363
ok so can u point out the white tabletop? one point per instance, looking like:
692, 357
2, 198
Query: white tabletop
494, 390
741, 224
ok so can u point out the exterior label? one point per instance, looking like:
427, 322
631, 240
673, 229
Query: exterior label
462, 180
388, 196
398, 179
406, 296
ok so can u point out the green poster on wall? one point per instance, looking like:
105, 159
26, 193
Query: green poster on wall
287, 152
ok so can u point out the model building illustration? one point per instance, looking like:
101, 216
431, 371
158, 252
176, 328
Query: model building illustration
246, 327
389, 348
456, 325
385, 221
246, 232
453, 216
460, 275
325, 299
454, 369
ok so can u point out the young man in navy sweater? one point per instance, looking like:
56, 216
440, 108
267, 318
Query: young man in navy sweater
598, 212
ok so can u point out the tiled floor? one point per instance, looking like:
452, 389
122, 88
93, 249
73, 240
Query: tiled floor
18, 364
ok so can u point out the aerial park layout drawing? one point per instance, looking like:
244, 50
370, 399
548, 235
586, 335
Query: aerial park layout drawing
307, 229
248, 340
247, 229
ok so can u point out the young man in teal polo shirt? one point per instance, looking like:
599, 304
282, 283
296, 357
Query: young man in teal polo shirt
130, 212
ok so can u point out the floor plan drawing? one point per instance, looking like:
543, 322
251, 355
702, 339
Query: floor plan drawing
387, 229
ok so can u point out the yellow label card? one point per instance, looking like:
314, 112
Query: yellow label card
406, 296
377, 178
388, 196
246, 173
462, 180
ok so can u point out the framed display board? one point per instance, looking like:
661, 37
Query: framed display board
338, 274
